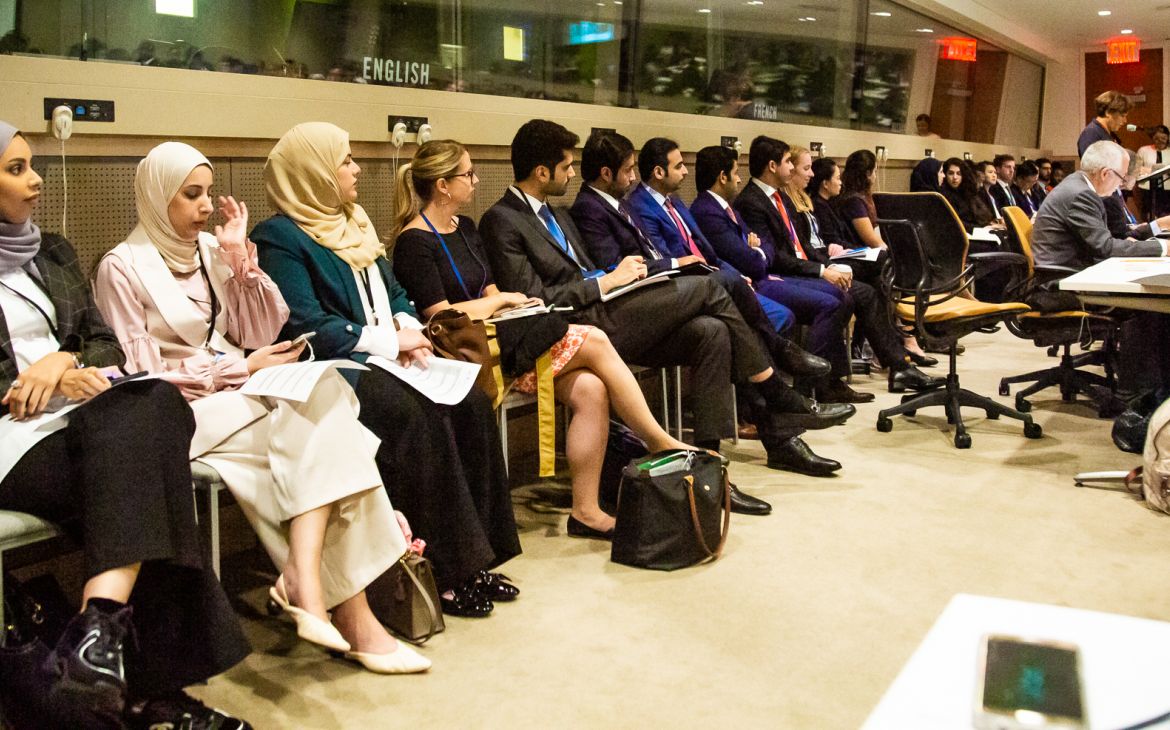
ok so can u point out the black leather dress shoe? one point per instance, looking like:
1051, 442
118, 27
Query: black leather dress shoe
496, 586
911, 378
181, 711
577, 528
467, 601
746, 504
814, 415
796, 362
838, 391
923, 360
795, 455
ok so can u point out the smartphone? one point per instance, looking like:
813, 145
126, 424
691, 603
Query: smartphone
302, 339
1028, 683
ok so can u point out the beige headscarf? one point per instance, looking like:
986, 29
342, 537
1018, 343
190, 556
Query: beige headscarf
301, 180
160, 175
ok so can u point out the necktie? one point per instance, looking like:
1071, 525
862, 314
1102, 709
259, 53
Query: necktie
731, 214
682, 229
554, 228
1128, 216
1007, 189
796, 246
647, 245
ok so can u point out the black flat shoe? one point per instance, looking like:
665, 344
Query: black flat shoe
923, 360
796, 362
795, 455
746, 504
911, 378
577, 528
467, 602
182, 712
496, 586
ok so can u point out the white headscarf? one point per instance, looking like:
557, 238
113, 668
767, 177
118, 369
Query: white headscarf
160, 175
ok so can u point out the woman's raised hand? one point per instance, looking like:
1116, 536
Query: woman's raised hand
233, 234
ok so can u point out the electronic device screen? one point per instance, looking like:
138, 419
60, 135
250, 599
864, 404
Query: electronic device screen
1034, 677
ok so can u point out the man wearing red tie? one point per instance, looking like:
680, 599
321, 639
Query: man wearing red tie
816, 293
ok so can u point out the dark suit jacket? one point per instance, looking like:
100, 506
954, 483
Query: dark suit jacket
659, 227
80, 327
1024, 200
759, 214
727, 237
609, 236
319, 288
1070, 229
1000, 196
1118, 221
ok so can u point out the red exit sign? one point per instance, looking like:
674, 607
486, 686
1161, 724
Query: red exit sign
1126, 51
958, 49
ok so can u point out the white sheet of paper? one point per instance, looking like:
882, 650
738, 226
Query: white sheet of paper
17, 437
444, 381
294, 381
859, 254
983, 234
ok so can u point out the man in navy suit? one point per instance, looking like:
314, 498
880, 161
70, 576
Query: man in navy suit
818, 294
1005, 178
610, 233
687, 320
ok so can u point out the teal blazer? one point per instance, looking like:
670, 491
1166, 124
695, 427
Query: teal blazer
319, 288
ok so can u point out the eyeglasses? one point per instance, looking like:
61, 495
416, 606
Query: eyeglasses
470, 175
1120, 176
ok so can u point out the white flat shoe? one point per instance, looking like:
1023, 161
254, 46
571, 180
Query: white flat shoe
402, 660
309, 627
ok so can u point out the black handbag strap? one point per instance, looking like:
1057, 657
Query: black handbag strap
711, 554
432, 609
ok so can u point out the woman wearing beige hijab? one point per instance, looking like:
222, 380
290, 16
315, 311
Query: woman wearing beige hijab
186, 304
442, 465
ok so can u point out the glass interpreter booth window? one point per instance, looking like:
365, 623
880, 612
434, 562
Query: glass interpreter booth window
859, 64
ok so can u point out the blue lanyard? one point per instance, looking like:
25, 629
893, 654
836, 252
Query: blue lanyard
451, 260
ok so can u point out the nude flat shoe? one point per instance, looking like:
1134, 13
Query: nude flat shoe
402, 660
309, 627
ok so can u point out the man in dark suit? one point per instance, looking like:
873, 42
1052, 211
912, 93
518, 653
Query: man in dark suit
1026, 188
1005, 174
610, 232
681, 321
818, 294
1070, 232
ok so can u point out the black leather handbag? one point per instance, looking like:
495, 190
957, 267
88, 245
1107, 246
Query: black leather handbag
673, 510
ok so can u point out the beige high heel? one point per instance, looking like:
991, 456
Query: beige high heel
309, 627
403, 660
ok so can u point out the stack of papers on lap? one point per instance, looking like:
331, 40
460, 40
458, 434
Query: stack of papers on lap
634, 285
526, 311
444, 381
294, 381
865, 253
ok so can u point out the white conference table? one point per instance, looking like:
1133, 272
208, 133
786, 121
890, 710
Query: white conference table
1125, 662
1114, 283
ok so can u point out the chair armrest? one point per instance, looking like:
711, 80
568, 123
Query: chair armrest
1005, 257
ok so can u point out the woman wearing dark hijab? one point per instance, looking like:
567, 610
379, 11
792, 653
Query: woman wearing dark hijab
927, 176
113, 471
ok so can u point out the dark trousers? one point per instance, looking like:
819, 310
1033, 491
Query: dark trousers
444, 469
119, 480
875, 325
689, 321
754, 308
823, 307
1144, 362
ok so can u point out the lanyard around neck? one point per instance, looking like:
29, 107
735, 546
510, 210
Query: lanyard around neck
451, 259
40, 310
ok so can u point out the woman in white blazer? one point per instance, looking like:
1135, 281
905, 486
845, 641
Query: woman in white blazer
188, 305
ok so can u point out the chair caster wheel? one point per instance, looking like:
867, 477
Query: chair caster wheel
1022, 405
911, 413
273, 608
962, 441
992, 415
1004, 389
1033, 430
885, 425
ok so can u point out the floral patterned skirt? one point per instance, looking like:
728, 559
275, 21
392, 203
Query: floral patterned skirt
562, 352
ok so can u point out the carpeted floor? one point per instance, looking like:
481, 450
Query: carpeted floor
805, 620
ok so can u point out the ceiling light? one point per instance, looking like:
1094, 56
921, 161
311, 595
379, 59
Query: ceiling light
1104, 13
1127, 31
924, 30
755, 2
704, 10
882, 14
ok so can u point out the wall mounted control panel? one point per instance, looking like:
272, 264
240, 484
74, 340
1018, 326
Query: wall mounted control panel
84, 110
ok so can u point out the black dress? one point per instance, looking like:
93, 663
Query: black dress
118, 479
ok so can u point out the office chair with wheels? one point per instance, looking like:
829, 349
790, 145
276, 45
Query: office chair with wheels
1062, 323
928, 276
